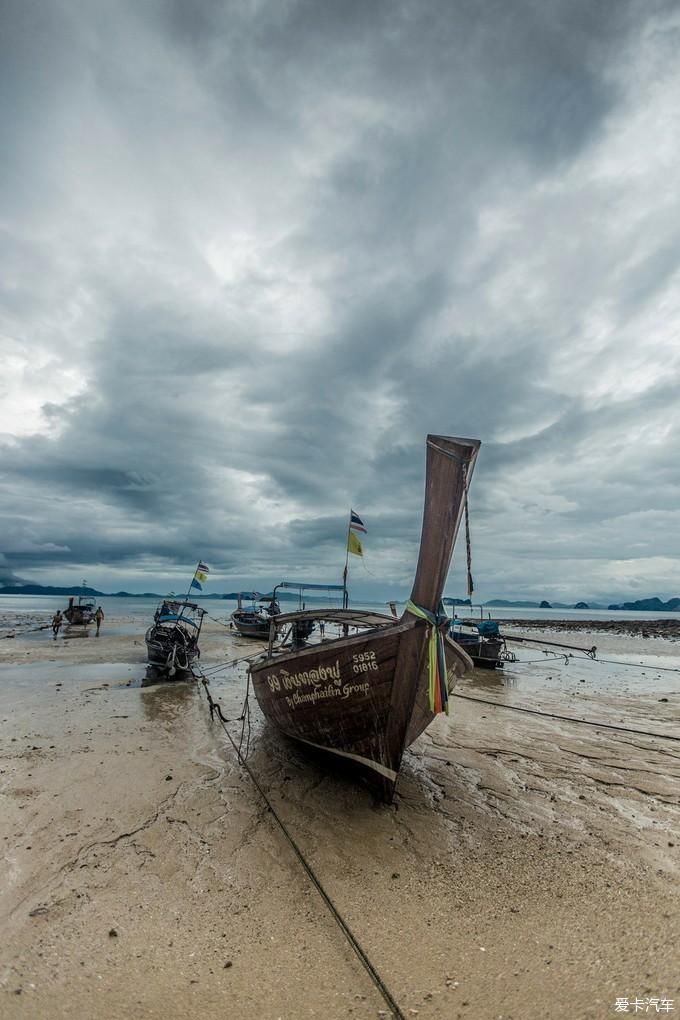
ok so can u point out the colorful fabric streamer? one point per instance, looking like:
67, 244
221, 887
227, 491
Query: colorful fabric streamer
438, 690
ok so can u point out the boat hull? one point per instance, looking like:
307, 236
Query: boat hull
249, 626
365, 697
484, 652
353, 698
76, 630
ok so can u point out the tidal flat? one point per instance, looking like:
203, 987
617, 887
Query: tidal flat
528, 866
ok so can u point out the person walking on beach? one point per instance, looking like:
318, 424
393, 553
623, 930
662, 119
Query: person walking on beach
57, 621
98, 617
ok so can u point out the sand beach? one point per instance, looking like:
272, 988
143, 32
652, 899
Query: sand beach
528, 867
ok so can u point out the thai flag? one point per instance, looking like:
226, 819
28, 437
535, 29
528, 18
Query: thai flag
356, 523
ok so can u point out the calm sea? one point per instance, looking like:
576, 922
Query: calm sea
46, 605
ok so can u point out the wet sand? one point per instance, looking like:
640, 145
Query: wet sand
668, 628
528, 867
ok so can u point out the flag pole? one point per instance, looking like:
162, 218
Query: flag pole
345, 598
186, 597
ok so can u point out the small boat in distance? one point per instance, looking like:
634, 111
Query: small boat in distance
254, 622
365, 695
79, 615
172, 640
482, 640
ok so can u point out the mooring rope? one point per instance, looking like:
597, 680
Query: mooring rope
633, 665
221, 622
227, 664
595, 658
215, 709
547, 658
567, 718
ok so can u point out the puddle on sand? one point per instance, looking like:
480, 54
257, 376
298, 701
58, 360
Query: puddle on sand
45, 684
50, 673
123, 629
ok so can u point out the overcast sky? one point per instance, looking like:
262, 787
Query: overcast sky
254, 251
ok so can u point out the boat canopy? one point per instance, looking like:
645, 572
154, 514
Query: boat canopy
487, 628
309, 587
351, 617
175, 618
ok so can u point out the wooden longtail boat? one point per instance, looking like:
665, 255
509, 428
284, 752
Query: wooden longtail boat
172, 640
254, 622
80, 613
482, 640
365, 696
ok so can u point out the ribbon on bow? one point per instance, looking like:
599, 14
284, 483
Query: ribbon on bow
437, 689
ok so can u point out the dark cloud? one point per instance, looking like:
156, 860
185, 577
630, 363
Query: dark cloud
256, 252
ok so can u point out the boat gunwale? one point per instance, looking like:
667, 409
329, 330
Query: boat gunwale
352, 617
400, 626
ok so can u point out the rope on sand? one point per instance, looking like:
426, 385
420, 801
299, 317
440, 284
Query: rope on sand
634, 665
549, 656
567, 718
215, 709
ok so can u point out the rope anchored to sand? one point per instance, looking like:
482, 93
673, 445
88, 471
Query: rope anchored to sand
216, 710
568, 718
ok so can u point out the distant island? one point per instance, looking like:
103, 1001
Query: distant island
520, 604
79, 589
653, 605
648, 605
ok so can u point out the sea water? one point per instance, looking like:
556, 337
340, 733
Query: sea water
18, 606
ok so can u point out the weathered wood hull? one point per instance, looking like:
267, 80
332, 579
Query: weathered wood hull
76, 630
353, 698
365, 698
484, 652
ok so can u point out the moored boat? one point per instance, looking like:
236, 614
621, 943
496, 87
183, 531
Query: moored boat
365, 695
79, 615
172, 640
482, 640
254, 621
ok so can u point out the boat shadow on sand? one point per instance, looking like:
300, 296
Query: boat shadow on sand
301, 774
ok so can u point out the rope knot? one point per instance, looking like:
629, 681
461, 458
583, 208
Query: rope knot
437, 687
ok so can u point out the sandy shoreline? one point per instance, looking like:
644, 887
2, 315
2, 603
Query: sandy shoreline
528, 867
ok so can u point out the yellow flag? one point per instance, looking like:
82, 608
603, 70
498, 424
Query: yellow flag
354, 545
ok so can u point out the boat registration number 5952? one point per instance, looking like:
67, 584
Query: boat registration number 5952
364, 662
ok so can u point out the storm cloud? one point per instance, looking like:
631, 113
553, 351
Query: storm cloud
253, 253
